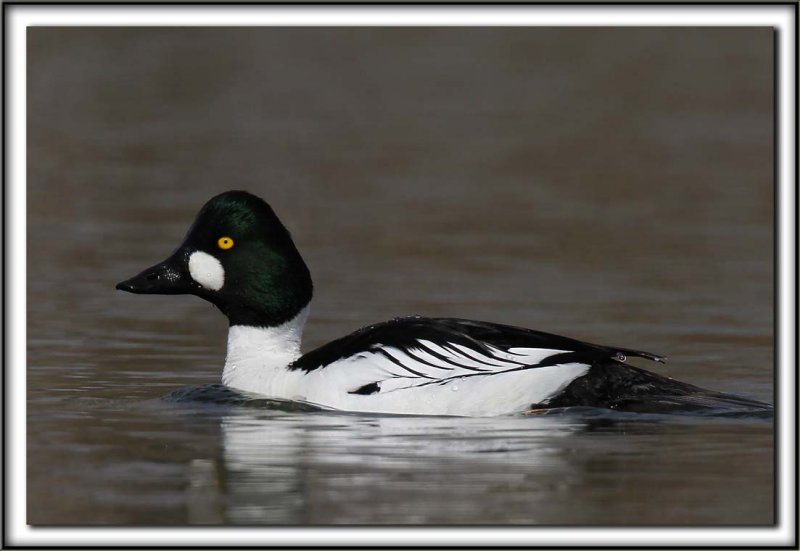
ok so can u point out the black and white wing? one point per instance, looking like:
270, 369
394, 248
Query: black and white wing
420, 352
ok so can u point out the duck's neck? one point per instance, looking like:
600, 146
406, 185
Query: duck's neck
258, 356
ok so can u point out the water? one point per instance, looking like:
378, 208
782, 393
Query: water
610, 185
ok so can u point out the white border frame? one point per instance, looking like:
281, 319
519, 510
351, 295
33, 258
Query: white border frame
19, 17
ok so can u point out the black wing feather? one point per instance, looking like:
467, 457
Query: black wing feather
404, 333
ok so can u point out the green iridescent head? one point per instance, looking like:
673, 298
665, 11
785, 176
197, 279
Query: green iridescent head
238, 256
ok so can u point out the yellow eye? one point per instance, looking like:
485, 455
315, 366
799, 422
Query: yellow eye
225, 243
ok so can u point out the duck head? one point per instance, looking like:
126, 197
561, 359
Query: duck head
238, 256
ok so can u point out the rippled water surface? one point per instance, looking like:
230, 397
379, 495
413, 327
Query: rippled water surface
610, 185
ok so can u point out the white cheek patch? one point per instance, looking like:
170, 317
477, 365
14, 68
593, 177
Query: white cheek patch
206, 270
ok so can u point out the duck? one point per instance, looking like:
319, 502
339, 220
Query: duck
238, 256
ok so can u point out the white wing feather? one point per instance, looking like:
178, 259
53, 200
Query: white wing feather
426, 364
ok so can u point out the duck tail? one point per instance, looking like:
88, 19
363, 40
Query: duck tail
621, 387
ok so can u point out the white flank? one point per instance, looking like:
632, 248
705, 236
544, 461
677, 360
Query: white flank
206, 270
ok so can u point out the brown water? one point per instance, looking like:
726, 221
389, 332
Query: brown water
612, 185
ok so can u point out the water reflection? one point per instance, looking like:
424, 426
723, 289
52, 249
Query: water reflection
280, 467
277, 469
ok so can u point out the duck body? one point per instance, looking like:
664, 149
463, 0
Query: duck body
407, 365
239, 257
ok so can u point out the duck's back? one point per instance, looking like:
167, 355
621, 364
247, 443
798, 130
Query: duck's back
478, 337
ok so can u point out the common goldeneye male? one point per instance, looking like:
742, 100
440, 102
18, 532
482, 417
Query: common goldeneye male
238, 256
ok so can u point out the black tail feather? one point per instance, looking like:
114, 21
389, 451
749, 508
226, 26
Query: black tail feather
621, 387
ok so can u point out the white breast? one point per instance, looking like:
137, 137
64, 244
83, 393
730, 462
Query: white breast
257, 358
